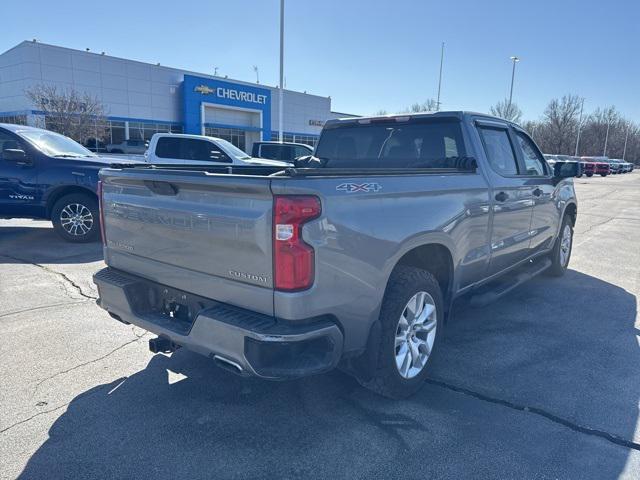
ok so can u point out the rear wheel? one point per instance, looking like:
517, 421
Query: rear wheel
589, 174
75, 218
411, 324
561, 253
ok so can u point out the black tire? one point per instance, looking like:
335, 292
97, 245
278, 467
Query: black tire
603, 174
558, 267
385, 378
81, 203
589, 175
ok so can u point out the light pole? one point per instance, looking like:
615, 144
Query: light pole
626, 138
515, 60
440, 77
579, 128
606, 138
281, 92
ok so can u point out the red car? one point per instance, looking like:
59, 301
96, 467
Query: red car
602, 168
588, 168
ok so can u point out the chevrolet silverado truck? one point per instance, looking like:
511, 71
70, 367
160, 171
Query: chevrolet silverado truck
351, 258
45, 175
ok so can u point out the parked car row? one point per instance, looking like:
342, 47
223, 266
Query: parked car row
285, 151
590, 166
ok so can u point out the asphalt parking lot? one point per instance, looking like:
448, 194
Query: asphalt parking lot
542, 384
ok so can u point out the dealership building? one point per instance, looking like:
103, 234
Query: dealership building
140, 99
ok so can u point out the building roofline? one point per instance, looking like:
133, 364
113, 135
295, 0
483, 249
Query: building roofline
181, 70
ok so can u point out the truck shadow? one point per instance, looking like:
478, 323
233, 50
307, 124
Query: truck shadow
40, 244
567, 346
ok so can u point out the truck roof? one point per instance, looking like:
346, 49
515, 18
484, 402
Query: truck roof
458, 114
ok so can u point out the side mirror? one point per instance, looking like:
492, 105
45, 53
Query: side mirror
566, 169
15, 155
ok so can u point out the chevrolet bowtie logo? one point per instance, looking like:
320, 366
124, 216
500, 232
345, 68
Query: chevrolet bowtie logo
204, 90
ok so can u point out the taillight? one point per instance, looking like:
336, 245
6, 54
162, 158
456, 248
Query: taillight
101, 210
293, 259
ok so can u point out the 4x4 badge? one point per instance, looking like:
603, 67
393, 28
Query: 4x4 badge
359, 187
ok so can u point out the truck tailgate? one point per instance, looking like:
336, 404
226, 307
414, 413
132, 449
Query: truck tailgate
206, 234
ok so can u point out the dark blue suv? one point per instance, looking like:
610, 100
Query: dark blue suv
45, 175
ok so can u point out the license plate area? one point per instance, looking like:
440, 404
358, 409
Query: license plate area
166, 307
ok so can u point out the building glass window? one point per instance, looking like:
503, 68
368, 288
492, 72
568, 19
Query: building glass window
116, 133
310, 140
144, 130
15, 119
306, 139
233, 135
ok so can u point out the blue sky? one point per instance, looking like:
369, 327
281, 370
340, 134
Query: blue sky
369, 55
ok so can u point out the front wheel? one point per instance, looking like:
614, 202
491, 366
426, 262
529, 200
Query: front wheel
589, 174
411, 325
561, 252
75, 218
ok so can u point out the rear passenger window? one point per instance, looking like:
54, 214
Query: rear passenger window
189, 149
393, 144
499, 152
272, 152
533, 161
199, 150
168, 147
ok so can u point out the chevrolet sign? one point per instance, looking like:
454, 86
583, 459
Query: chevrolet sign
232, 94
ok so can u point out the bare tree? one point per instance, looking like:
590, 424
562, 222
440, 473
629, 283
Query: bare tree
380, 113
595, 133
506, 110
77, 115
430, 105
559, 127
532, 127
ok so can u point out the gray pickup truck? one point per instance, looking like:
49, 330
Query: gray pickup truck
354, 257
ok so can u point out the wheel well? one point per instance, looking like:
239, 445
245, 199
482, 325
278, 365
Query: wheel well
572, 211
61, 192
434, 258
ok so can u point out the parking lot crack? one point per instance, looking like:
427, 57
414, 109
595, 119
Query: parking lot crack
89, 362
65, 278
41, 307
610, 437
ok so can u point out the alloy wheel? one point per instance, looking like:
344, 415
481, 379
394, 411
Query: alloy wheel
76, 219
415, 334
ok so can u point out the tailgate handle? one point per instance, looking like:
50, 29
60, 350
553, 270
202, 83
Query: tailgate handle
161, 188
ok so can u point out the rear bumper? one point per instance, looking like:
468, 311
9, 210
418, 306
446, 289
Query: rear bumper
247, 342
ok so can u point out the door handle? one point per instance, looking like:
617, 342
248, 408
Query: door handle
537, 192
501, 196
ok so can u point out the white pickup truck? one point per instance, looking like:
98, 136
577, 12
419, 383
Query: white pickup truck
200, 150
